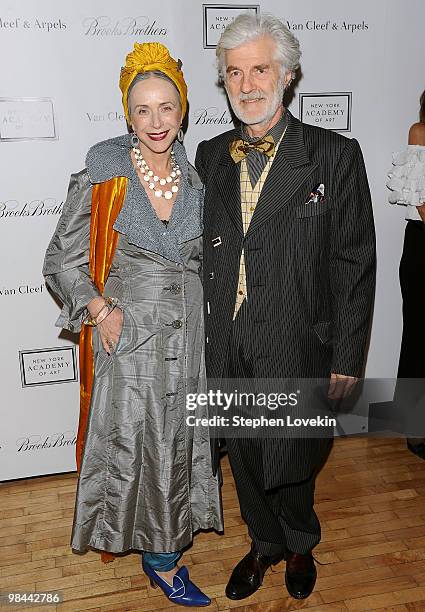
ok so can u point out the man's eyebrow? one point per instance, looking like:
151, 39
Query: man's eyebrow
256, 67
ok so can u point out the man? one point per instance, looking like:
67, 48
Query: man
289, 265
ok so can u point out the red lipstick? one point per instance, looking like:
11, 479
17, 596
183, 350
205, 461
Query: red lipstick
159, 136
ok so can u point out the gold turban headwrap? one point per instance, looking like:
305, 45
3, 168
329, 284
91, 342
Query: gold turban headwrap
147, 57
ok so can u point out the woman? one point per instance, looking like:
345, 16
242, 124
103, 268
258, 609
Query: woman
407, 181
125, 260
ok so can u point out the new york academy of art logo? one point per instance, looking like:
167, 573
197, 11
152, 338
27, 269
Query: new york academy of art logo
27, 119
218, 16
48, 366
327, 110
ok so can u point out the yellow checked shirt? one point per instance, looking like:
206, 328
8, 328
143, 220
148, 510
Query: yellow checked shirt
249, 199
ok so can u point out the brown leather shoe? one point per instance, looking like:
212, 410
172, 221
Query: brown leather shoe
300, 574
248, 575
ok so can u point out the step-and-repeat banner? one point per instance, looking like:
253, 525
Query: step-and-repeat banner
59, 95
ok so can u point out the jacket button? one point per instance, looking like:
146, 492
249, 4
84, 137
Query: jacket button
176, 324
175, 288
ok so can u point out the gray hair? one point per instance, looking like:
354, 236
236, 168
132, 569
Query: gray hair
143, 76
247, 27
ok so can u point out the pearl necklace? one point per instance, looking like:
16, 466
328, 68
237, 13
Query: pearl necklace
152, 179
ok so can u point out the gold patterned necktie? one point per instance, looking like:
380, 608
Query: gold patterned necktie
239, 148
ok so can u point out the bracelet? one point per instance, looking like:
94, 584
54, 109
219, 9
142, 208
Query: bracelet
89, 320
95, 318
110, 303
110, 309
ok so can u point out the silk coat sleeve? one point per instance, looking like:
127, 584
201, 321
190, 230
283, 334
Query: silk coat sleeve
66, 264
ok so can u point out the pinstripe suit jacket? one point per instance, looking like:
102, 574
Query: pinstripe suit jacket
310, 268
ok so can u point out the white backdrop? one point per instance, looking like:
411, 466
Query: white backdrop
70, 54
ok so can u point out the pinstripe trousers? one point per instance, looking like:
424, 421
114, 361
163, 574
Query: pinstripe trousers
277, 519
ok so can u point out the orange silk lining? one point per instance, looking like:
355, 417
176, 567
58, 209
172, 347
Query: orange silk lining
107, 201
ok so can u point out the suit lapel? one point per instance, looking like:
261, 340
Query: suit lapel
228, 183
290, 168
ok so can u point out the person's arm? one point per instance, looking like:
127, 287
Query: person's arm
66, 264
417, 137
417, 134
352, 262
66, 267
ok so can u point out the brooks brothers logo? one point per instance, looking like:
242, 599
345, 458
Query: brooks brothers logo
11, 209
328, 110
48, 366
24, 289
218, 16
27, 119
142, 25
45, 441
212, 116
19, 23
327, 25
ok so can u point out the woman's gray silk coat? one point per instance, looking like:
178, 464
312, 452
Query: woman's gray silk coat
146, 481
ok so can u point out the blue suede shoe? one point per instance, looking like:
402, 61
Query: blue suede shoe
183, 591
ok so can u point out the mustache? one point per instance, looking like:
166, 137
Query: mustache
252, 95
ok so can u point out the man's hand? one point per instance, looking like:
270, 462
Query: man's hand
421, 211
340, 386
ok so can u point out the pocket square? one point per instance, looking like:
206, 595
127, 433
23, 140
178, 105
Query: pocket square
317, 195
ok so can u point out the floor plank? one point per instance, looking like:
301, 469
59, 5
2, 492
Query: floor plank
370, 499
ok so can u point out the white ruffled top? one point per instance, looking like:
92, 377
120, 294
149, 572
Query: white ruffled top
406, 179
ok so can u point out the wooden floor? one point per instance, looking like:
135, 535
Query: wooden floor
369, 497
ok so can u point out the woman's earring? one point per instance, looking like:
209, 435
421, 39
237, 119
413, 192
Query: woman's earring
180, 135
134, 139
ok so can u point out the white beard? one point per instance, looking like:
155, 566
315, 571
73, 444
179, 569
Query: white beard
272, 104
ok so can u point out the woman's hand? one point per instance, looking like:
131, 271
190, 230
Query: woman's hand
109, 327
421, 211
110, 330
